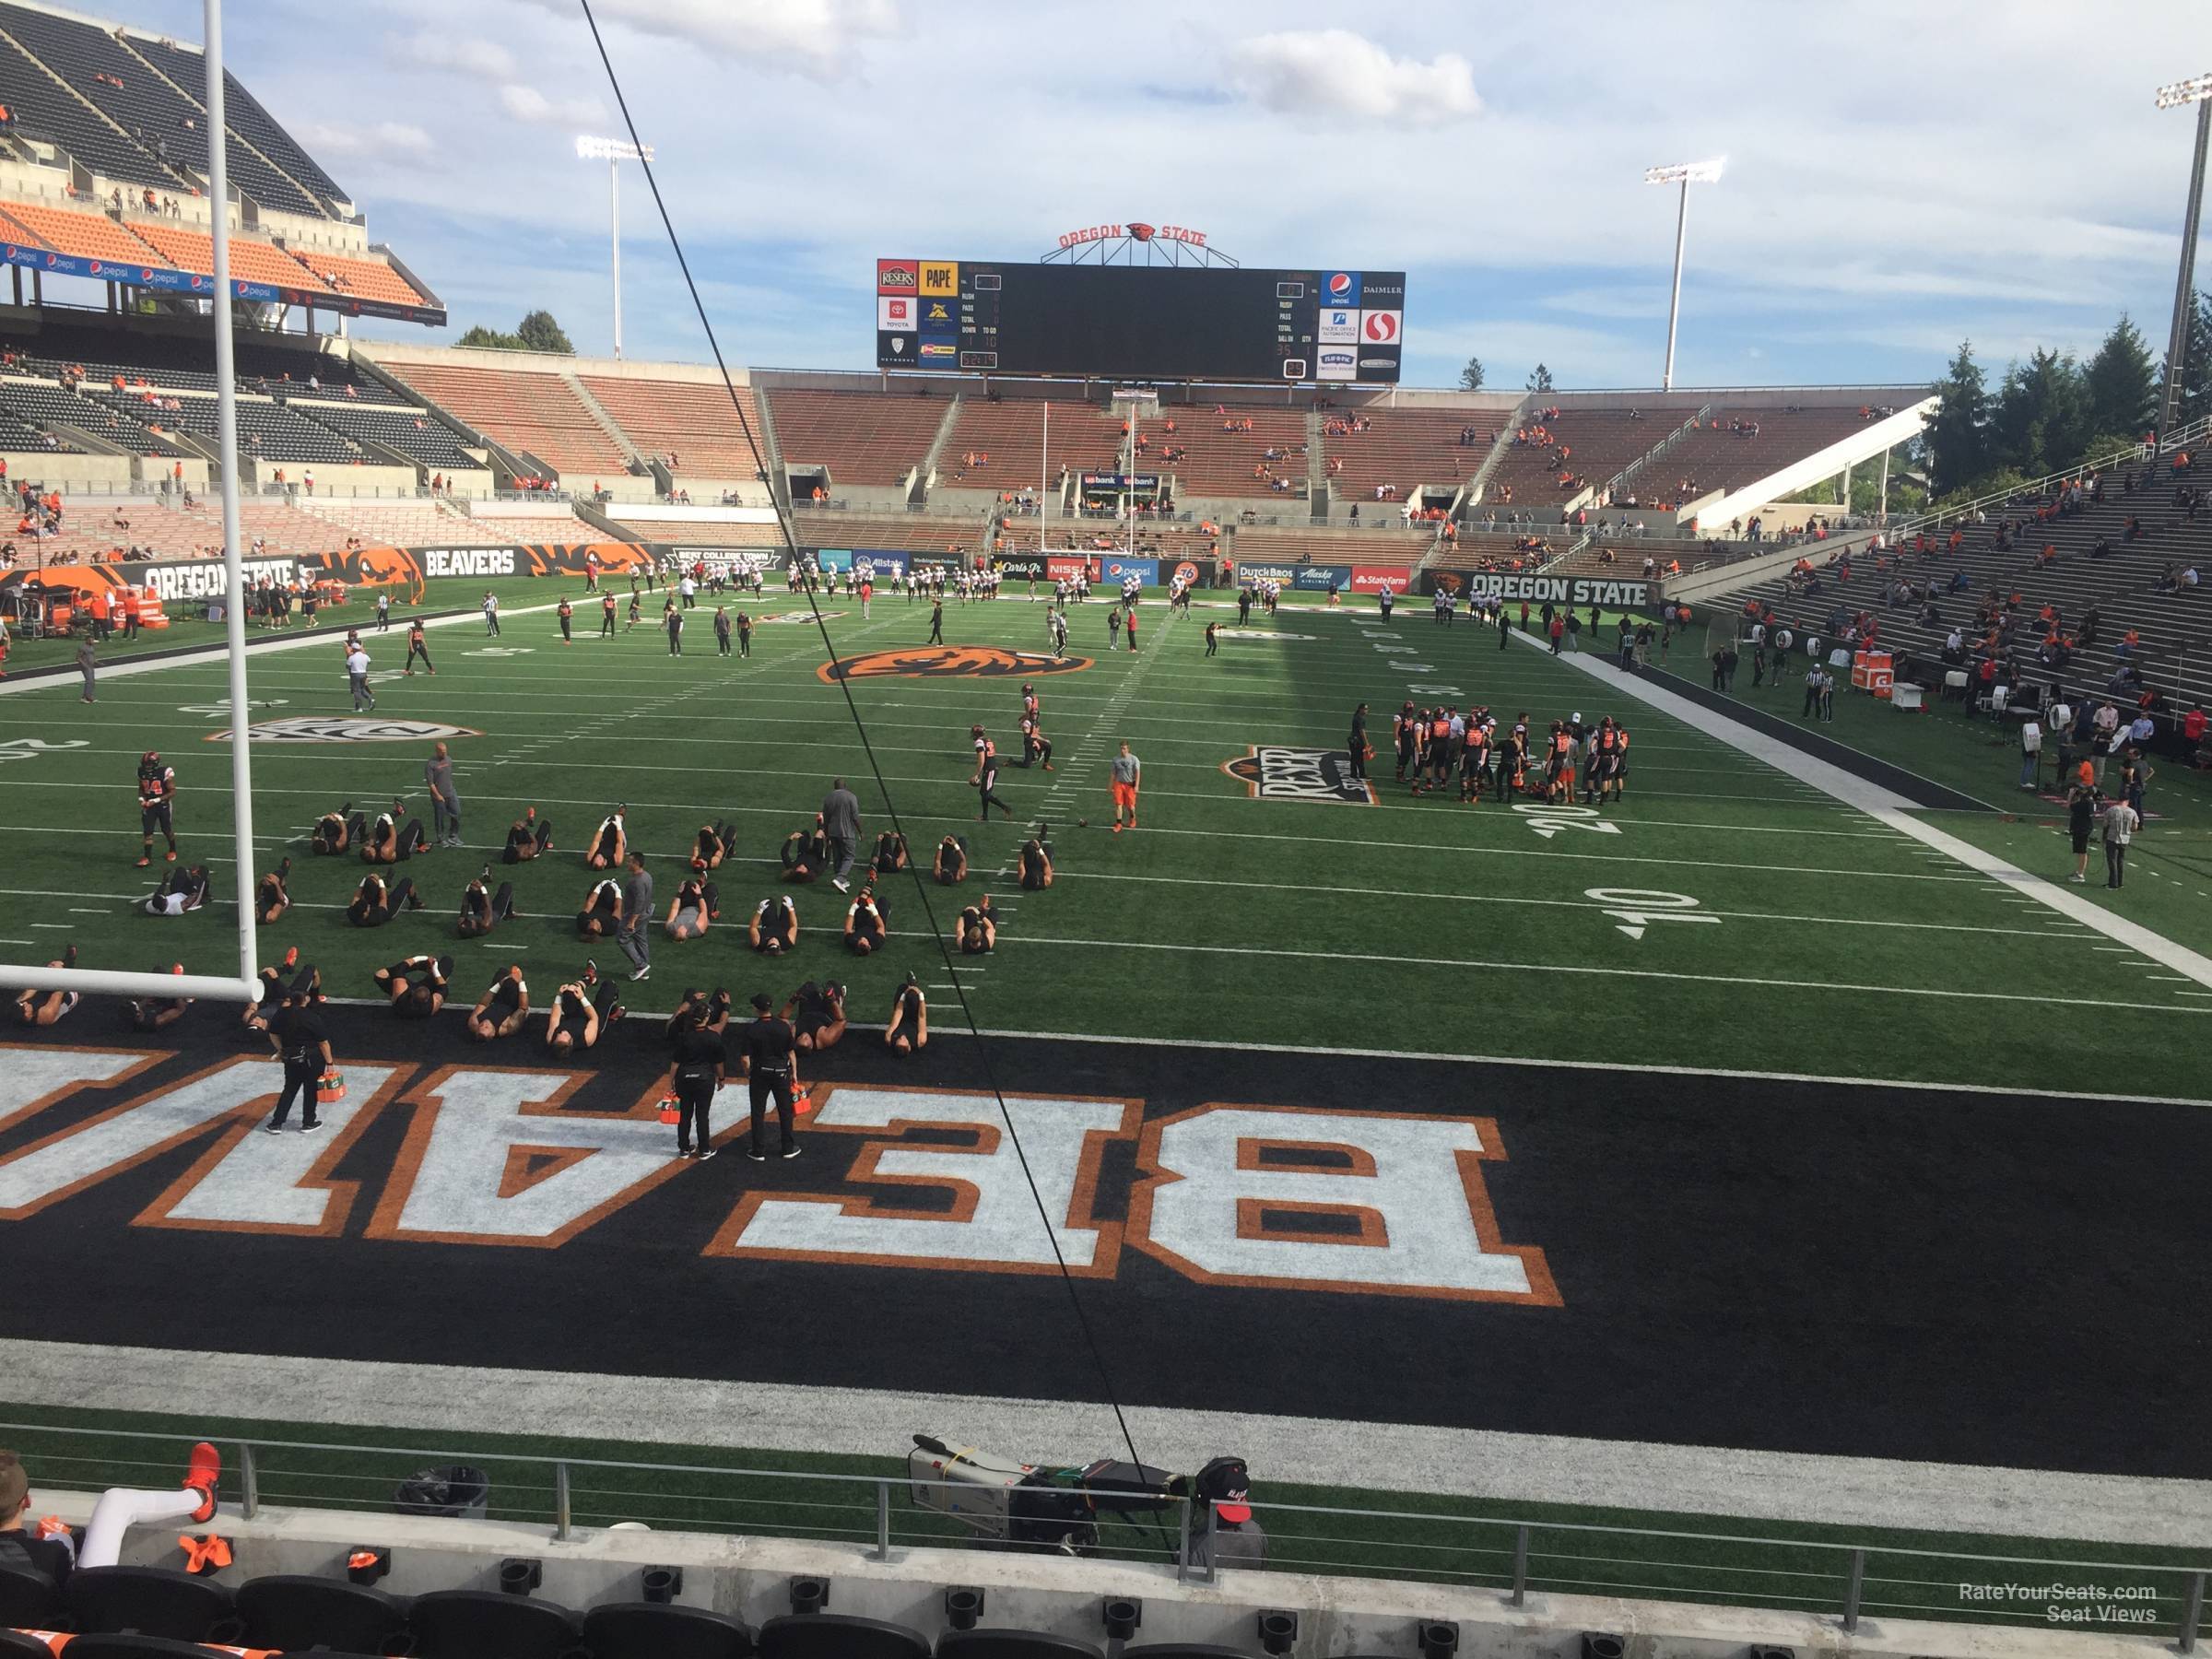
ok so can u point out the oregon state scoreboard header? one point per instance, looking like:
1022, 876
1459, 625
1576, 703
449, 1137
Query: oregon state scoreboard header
1140, 322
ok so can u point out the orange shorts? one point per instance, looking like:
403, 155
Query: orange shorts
1125, 794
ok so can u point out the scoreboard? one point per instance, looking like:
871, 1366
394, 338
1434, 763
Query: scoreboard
1140, 322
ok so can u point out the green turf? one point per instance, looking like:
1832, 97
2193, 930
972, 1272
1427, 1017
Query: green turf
1422, 924
1375, 1533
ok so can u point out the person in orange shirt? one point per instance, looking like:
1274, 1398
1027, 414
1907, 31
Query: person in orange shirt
132, 609
102, 609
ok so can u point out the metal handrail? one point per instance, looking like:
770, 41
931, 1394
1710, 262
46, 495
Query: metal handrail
2197, 429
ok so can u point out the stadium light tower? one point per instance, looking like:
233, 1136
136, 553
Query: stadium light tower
1684, 174
2197, 92
614, 152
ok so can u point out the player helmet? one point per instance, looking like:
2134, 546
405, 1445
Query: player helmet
152, 755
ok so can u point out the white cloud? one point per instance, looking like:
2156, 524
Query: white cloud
1334, 71
383, 137
485, 60
812, 37
529, 104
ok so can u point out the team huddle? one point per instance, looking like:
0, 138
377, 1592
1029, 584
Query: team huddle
1438, 746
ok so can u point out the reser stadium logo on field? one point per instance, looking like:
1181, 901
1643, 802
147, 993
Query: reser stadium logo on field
1274, 773
338, 728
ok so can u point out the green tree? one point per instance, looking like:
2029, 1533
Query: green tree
1470, 378
2041, 420
538, 331
2121, 386
1958, 433
2196, 366
1540, 380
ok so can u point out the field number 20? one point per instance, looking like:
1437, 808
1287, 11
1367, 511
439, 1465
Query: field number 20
1640, 907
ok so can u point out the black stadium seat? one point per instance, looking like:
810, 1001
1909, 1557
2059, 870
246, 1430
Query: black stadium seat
1012, 1644
485, 1624
138, 1647
25, 1598
13, 1643
1183, 1649
839, 1636
151, 1601
657, 1630
287, 1610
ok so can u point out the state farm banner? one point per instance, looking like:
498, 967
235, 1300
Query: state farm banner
1369, 578
1601, 590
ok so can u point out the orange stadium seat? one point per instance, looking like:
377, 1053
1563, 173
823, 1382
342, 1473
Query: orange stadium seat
690, 420
365, 278
90, 235
526, 409
862, 437
251, 260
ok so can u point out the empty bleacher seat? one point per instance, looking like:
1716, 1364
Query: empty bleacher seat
152, 1601
289, 1610
119, 1646
15, 1643
839, 1636
659, 1630
484, 1624
25, 1597
1012, 1644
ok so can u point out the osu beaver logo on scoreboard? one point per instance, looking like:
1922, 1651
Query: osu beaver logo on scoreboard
987, 661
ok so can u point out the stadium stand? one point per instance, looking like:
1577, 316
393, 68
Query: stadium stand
103, 527
860, 437
529, 411
1215, 463
50, 105
1730, 448
1498, 550
411, 431
368, 279
1588, 446
248, 119
718, 533
426, 524
1404, 448
63, 231
251, 260
1998, 572
913, 533
1004, 440
1327, 547
689, 419
142, 93
42, 403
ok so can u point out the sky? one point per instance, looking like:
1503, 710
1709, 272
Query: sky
1899, 177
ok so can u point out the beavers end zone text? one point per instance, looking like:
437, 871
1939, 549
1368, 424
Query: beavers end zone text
1606, 1253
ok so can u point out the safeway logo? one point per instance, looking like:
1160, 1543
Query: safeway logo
1379, 327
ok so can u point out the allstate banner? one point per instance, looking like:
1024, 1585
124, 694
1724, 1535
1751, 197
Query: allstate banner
884, 562
1118, 571
1322, 578
1369, 578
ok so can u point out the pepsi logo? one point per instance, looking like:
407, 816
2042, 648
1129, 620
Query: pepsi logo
145, 274
1381, 327
1340, 284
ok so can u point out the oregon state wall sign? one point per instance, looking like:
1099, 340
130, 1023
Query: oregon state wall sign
950, 662
1274, 773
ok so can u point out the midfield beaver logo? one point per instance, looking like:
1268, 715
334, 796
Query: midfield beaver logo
374, 567
943, 662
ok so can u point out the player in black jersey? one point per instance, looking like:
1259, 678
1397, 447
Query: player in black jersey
500, 1011
156, 806
908, 1032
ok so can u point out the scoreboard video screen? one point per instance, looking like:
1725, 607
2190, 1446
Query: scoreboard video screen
1140, 322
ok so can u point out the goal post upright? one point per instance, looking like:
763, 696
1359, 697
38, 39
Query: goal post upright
246, 986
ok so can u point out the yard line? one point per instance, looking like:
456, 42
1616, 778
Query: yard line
1825, 986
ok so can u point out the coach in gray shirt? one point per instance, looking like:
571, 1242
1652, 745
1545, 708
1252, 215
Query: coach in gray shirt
445, 804
637, 917
840, 824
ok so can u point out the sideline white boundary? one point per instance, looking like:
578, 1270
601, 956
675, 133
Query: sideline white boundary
1893, 811
350, 1394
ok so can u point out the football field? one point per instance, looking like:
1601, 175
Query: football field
1724, 914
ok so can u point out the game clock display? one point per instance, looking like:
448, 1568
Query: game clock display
1140, 322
